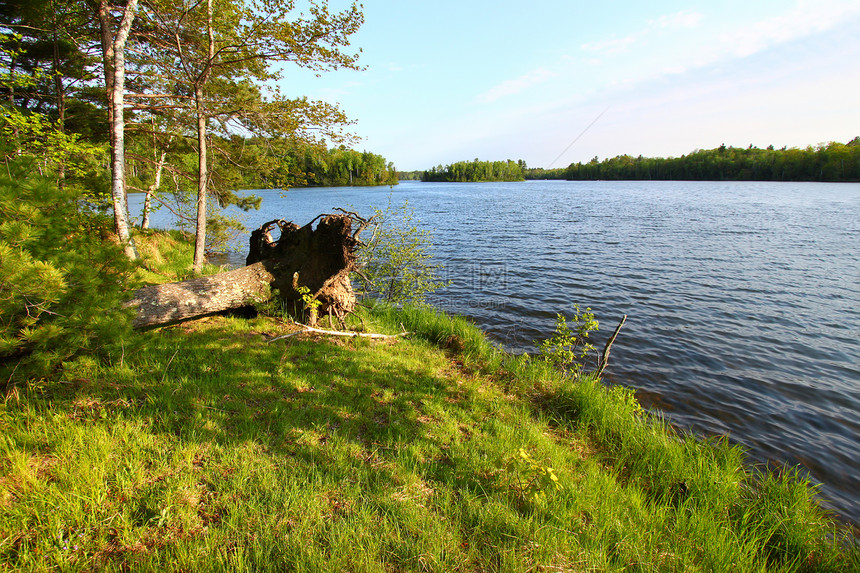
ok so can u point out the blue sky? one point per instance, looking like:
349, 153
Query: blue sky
454, 80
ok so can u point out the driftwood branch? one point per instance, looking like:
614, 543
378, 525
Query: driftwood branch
604, 360
312, 330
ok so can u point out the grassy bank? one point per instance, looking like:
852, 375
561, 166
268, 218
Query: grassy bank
209, 446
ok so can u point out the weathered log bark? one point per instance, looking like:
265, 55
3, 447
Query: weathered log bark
319, 259
173, 302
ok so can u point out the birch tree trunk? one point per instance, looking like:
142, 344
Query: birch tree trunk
202, 161
160, 160
153, 187
113, 46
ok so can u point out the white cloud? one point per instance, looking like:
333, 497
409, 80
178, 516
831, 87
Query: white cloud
805, 19
515, 86
682, 20
674, 70
706, 42
611, 46
679, 20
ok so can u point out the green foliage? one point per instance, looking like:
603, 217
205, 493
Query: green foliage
343, 166
309, 299
450, 332
532, 479
221, 230
409, 175
60, 281
37, 136
311, 302
472, 171
541, 173
291, 164
568, 348
166, 256
396, 263
45, 115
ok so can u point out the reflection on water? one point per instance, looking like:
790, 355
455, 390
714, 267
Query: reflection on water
743, 299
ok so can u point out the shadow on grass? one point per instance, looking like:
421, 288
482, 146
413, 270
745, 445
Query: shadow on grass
224, 387
294, 398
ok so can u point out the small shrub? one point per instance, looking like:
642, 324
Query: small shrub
568, 347
311, 303
531, 479
397, 265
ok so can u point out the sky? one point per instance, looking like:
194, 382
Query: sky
557, 82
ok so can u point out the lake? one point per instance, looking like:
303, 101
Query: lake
743, 299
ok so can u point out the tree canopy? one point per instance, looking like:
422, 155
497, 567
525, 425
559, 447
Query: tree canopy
299, 165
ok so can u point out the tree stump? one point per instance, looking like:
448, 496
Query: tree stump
319, 259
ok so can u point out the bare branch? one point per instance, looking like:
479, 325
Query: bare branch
605, 358
312, 330
159, 96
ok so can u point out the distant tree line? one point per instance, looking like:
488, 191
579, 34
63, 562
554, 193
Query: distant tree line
473, 171
541, 173
409, 175
288, 165
827, 162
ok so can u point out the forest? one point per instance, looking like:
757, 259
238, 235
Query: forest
474, 171
834, 162
315, 166
831, 162
177, 100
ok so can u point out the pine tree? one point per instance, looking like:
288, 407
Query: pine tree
61, 279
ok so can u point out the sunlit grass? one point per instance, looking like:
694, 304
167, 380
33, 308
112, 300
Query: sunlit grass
215, 449
166, 256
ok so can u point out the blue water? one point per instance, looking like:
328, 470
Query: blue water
743, 299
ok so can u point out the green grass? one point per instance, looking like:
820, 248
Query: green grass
212, 449
166, 256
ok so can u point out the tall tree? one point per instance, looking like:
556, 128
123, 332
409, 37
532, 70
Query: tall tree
242, 39
114, 36
199, 81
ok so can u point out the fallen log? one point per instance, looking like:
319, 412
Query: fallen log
302, 262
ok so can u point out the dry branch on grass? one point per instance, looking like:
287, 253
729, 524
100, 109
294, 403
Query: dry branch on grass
349, 334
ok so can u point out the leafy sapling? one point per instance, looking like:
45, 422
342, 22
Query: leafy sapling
568, 347
532, 479
396, 263
311, 303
